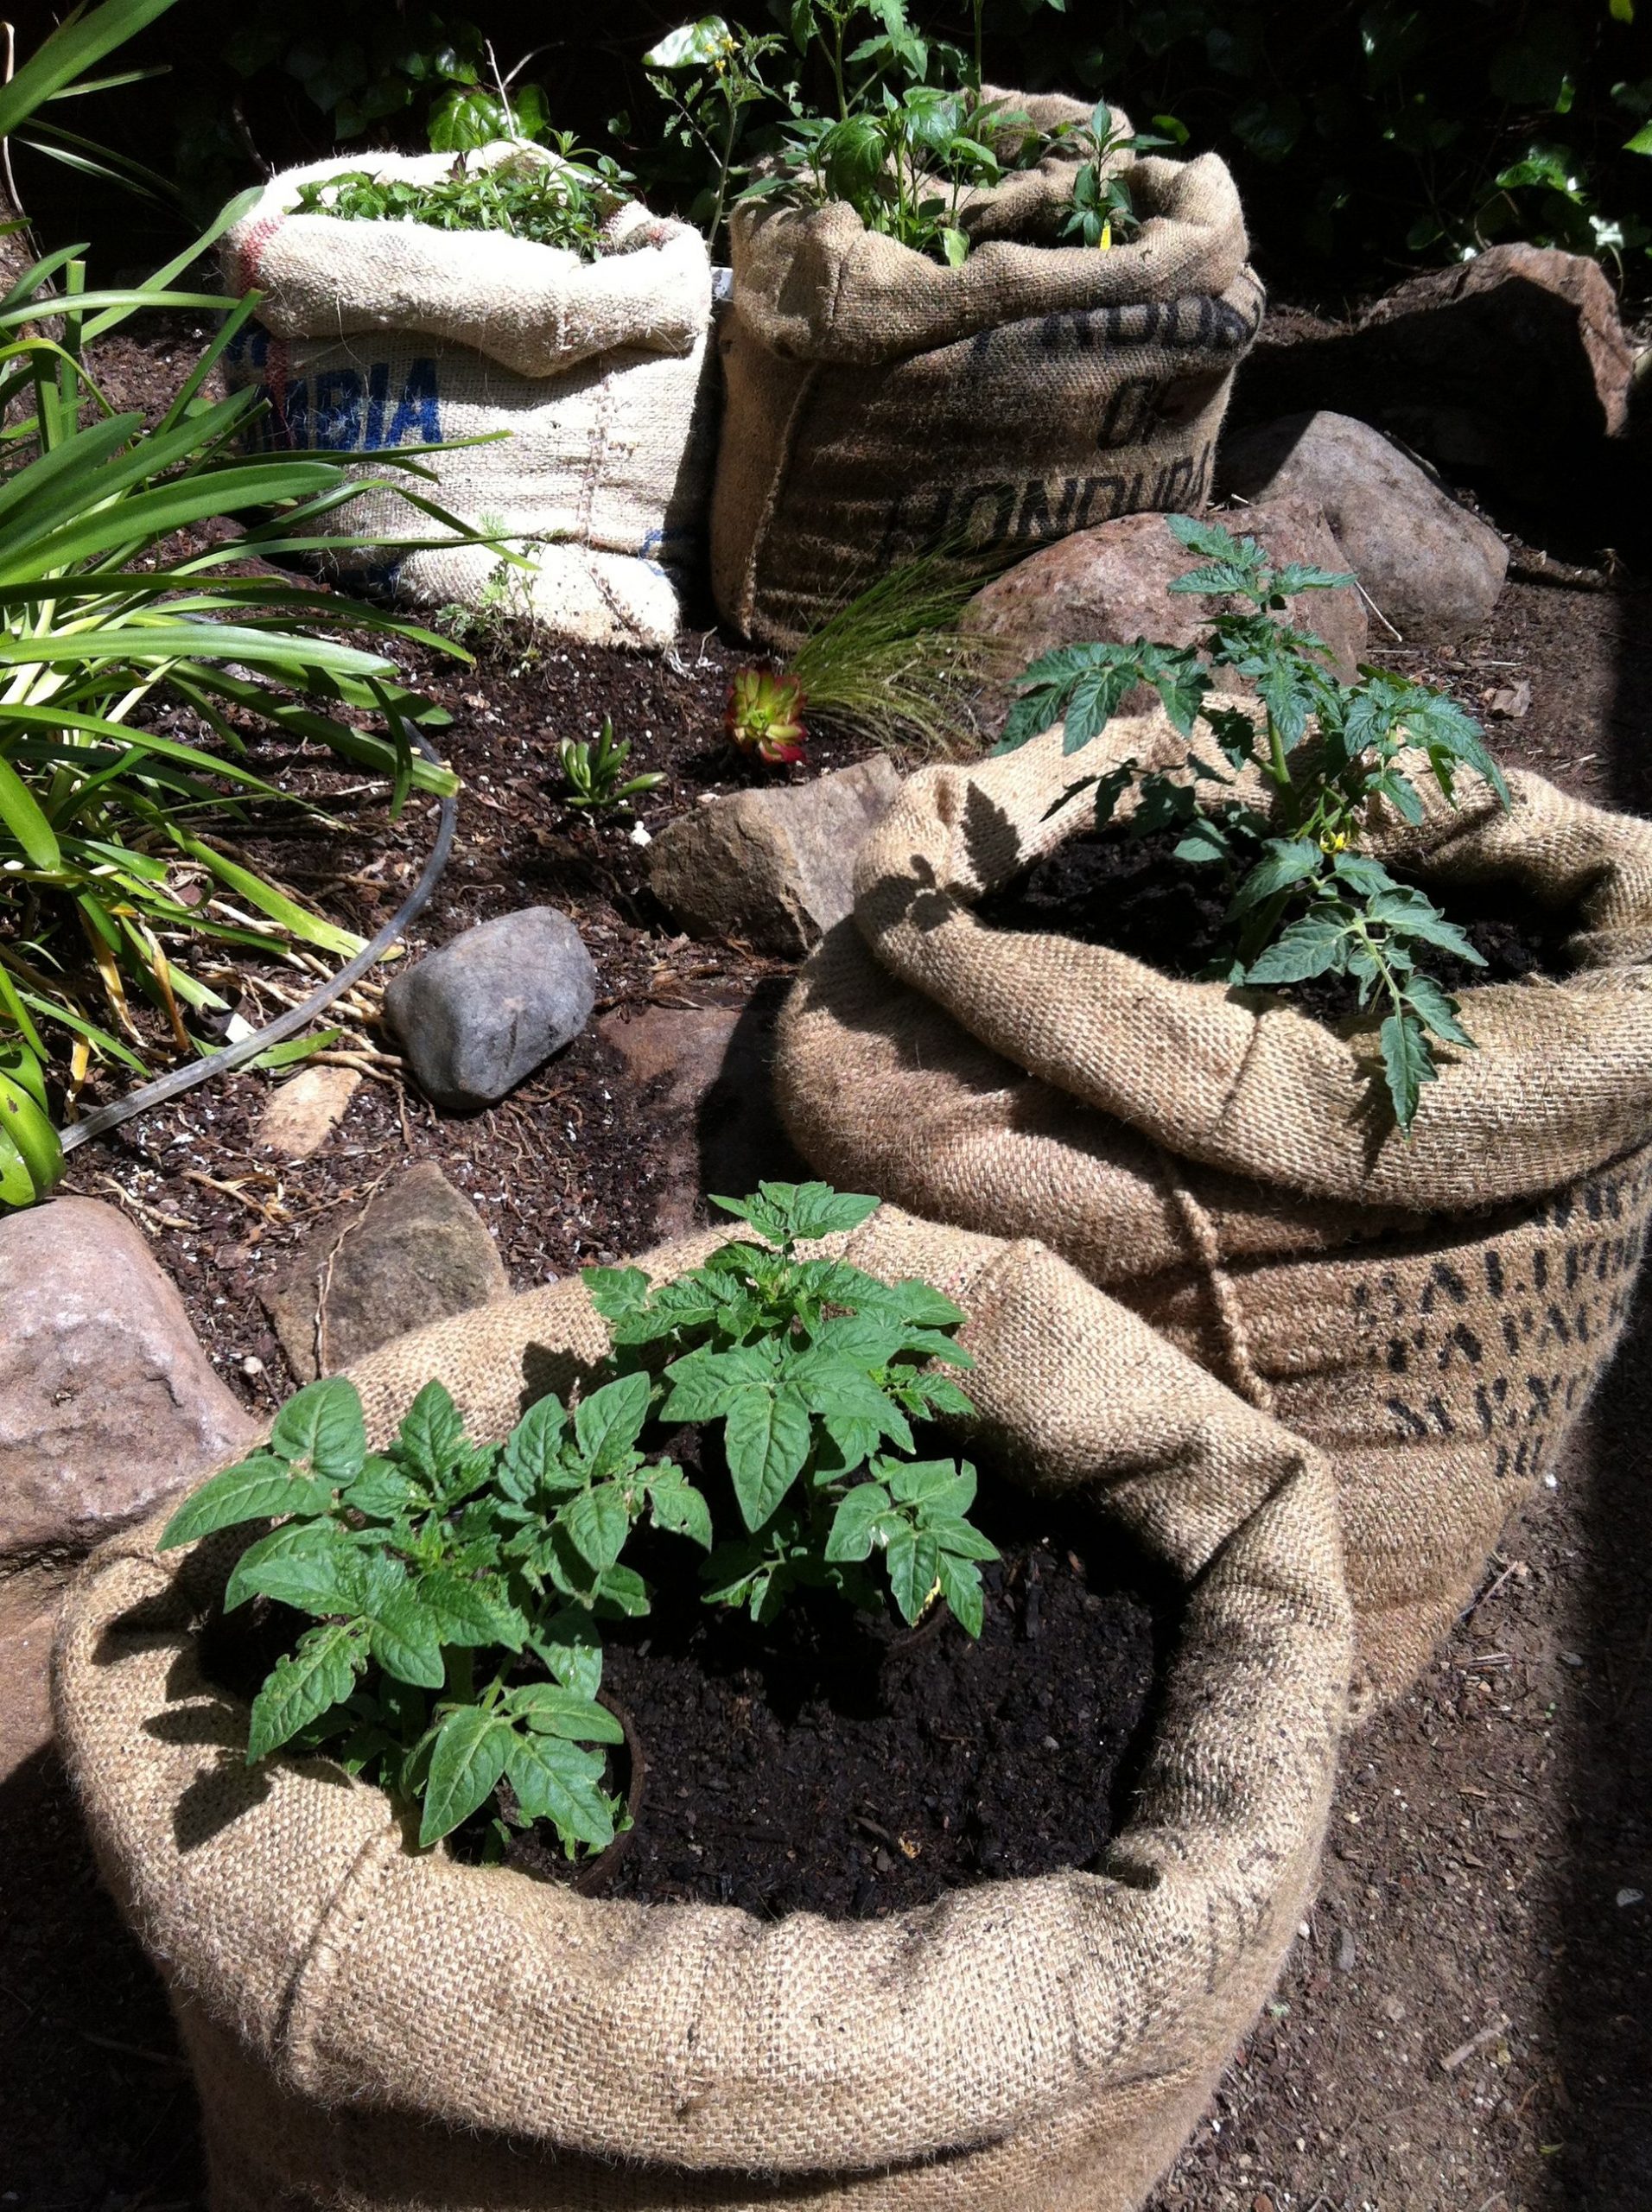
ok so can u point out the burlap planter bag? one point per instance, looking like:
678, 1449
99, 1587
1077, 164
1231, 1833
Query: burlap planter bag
389, 334
880, 404
376, 2033
1431, 1315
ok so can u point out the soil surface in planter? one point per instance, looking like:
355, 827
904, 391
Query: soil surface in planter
843, 1764
1103, 886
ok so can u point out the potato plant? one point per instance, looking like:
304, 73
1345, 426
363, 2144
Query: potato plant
566, 203
1304, 902
458, 1590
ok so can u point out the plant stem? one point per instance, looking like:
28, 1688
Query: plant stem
723, 160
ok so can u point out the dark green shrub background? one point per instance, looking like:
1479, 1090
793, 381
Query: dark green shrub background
1367, 139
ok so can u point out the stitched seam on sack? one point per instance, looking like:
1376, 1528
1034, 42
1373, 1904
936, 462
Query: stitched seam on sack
1206, 1244
778, 483
301, 2009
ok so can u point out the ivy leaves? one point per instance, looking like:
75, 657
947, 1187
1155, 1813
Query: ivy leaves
1304, 902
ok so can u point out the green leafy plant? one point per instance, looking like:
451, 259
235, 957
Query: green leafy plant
565, 202
594, 773
1103, 208
458, 1589
1304, 902
817, 1371
453, 1586
144, 650
31, 1157
710, 75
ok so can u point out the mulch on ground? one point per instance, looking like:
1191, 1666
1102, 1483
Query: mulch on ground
1464, 2025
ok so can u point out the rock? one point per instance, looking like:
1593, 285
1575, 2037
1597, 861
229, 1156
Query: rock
773, 867
302, 1114
484, 1011
1512, 367
1434, 569
416, 1252
714, 1114
108, 1404
28, 1603
1112, 584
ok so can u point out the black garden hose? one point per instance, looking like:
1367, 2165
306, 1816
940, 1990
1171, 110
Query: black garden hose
173, 1085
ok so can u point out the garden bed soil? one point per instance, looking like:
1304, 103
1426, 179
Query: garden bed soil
1465, 2025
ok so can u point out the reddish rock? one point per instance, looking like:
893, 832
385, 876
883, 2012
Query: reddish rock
108, 1404
1110, 585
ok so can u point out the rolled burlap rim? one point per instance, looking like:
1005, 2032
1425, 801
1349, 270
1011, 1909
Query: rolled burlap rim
1559, 1080
1028, 2025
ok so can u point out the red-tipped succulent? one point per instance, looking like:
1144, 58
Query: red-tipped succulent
765, 715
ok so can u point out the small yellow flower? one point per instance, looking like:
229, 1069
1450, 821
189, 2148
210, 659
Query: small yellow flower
1334, 840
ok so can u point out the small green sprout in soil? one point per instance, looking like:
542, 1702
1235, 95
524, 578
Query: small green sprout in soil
1303, 900
458, 1590
594, 771
563, 203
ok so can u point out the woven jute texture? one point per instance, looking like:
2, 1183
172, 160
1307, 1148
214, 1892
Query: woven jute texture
373, 2031
389, 334
881, 404
1432, 1313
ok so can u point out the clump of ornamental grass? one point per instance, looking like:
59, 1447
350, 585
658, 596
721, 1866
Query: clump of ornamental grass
889, 663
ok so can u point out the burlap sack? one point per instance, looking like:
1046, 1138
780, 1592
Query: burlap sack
880, 404
1432, 1313
377, 2032
387, 335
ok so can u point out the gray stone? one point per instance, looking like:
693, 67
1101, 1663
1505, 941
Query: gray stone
772, 868
416, 1252
1111, 585
1432, 569
490, 1006
108, 1404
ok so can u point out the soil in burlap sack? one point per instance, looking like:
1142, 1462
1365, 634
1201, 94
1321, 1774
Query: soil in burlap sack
1432, 1313
373, 2031
880, 404
394, 335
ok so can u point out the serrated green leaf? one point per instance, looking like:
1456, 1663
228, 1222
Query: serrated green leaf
380, 1491
403, 1638
1310, 946
914, 1562
863, 1518
317, 1676
766, 1439
551, 1710
431, 1433
322, 1428
607, 1424
555, 1782
468, 1613
1286, 862
960, 1581
302, 1563
598, 1523
1436, 1010
467, 1760
533, 1456
1407, 1063
678, 1507
255, 1489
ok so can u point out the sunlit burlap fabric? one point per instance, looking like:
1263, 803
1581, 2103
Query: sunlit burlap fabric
1431, 1313
881, 403
392, 334
372, 2031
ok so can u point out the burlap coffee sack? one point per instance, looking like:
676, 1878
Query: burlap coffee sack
393, 334
373, 2031
1432, 1313
880, 404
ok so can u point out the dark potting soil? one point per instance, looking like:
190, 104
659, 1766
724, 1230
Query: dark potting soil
1103, 886
841, 1763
